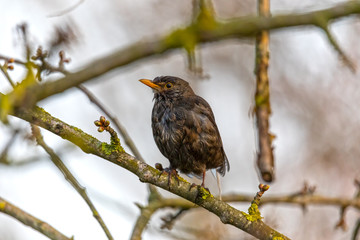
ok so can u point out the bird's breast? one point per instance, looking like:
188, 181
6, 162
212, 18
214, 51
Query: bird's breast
167, 126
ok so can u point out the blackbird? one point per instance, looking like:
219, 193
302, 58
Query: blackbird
184, 129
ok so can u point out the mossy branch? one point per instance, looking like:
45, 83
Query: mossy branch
146, 173
195, 33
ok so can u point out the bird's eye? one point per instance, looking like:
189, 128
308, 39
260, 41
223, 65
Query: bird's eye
168, 85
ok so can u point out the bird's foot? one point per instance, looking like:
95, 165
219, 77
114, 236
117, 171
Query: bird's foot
170, 171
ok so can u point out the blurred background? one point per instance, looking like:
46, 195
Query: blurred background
315, 118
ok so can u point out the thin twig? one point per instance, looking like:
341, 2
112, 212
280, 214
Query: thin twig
17, 61
4, 153
145, 213
346, 60
6, 74
169, 220
265, 157
342, 222
70, 178
31, 221
142, 221
356, 230
65, 11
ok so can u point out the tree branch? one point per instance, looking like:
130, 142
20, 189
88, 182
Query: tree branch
70, 178
265, 157
337, 48
148, 174
31, 221
195, 33
128, 141
302, 198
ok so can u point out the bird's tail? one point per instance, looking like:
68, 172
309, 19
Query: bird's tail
218, 183
217, 175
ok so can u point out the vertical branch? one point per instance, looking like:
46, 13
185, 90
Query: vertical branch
265, 159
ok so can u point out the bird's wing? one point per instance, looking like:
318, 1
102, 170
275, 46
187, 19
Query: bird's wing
201, 118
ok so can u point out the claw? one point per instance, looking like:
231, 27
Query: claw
192, 186
171, 172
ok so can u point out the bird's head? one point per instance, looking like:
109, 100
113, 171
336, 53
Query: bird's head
168, 86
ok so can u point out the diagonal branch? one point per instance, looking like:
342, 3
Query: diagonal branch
128, 141
69, 177
242, 27
346, 60
31, 221
146, 173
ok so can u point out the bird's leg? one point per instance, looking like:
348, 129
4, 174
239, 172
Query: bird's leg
202, 184
203, 179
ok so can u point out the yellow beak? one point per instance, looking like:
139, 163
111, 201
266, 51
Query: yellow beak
149, 83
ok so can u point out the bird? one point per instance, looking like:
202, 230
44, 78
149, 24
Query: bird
184, 129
